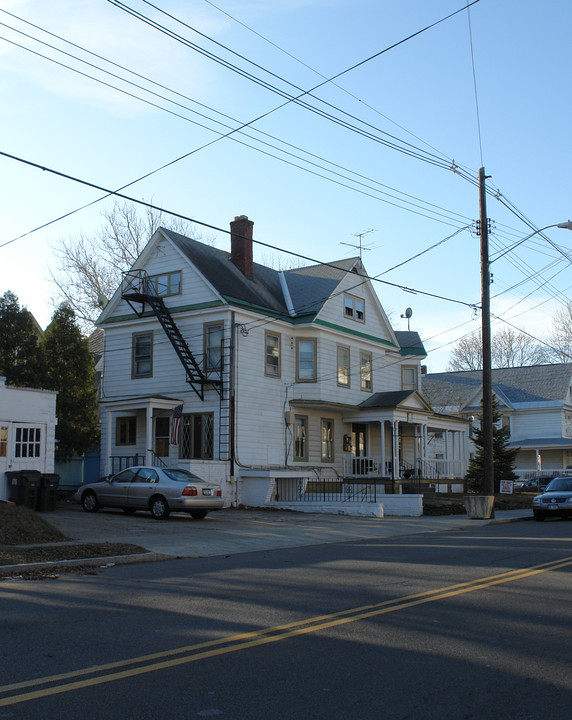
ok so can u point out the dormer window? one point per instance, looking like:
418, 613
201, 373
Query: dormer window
354, 308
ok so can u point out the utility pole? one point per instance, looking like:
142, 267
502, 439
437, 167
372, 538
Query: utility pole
488, 480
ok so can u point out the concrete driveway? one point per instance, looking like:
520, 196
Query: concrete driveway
232, 531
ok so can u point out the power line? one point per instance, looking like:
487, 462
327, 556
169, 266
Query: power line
213, 227
406, 148
428, 205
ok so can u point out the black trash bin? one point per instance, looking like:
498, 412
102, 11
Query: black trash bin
48, 492
24, 487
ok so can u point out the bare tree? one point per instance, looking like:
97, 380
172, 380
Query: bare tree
559, 343
509, 348
88, 268
467, 353
512, 348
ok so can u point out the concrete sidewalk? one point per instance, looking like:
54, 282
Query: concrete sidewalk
232, 531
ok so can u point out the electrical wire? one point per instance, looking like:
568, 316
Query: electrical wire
213, 227
428, 205
406, 147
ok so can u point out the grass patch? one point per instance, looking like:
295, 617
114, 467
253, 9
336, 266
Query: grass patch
21, 526
26, 537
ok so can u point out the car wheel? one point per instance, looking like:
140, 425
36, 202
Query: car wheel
159, 508
129, 511
198, 514
539, 517
89, 502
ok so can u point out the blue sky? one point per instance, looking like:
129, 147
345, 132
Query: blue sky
420, 92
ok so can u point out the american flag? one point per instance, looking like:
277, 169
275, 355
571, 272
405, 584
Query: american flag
176, 425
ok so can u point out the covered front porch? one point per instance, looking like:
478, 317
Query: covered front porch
396, 436
148, 431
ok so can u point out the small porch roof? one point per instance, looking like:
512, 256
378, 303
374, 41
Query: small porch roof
159, 402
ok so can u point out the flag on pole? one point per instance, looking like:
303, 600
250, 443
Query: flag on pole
176, 425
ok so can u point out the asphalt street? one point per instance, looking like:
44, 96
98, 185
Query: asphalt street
456, 624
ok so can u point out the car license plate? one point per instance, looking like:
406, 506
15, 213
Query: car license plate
206, 491
553, 506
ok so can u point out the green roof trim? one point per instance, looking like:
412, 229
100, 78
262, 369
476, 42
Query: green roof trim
407, 351
176, 309
357, 333
306, 318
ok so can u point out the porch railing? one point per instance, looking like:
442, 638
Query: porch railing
372, 466
121, 462
365, 467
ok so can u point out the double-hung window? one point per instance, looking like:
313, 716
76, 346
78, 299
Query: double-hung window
306, 360
365, 371
213, 336
343, 358
354, 308
126, 431
272, 354
197, 436
300, 437
142, 355
409, 377
3, 441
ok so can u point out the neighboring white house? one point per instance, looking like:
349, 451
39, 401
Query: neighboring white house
283, 376
27, 431
535, 404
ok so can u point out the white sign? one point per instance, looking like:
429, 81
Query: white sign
506, 487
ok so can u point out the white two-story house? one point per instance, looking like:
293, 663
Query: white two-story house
275, 374
535, 403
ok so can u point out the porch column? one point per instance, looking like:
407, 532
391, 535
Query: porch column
382, 444
149, 435
448, 452
109, 441
422, 448
416, 448
395, 451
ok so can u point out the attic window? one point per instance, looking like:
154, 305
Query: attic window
354, 308
166, 284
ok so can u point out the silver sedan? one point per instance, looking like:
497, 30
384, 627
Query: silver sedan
158, 490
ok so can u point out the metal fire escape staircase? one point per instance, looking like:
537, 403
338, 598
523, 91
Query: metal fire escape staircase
137, 289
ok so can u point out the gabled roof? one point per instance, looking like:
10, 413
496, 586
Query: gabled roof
263, 290
517, 385
392, 399
307, 288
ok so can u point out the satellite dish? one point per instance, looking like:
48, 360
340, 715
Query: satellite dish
408, 314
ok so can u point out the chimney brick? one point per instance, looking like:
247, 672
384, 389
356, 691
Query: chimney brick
241, 244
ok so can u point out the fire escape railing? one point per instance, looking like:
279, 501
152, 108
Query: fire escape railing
137, 289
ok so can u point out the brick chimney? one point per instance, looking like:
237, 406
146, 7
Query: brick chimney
241, 244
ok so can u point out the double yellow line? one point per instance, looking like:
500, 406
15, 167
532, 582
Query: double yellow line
122, 669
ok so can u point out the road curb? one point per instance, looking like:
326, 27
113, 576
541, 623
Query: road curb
105, 561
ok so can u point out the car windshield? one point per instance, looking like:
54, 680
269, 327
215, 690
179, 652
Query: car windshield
181, 475
560, 484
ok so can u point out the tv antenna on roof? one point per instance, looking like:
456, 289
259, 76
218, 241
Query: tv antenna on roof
360, 246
